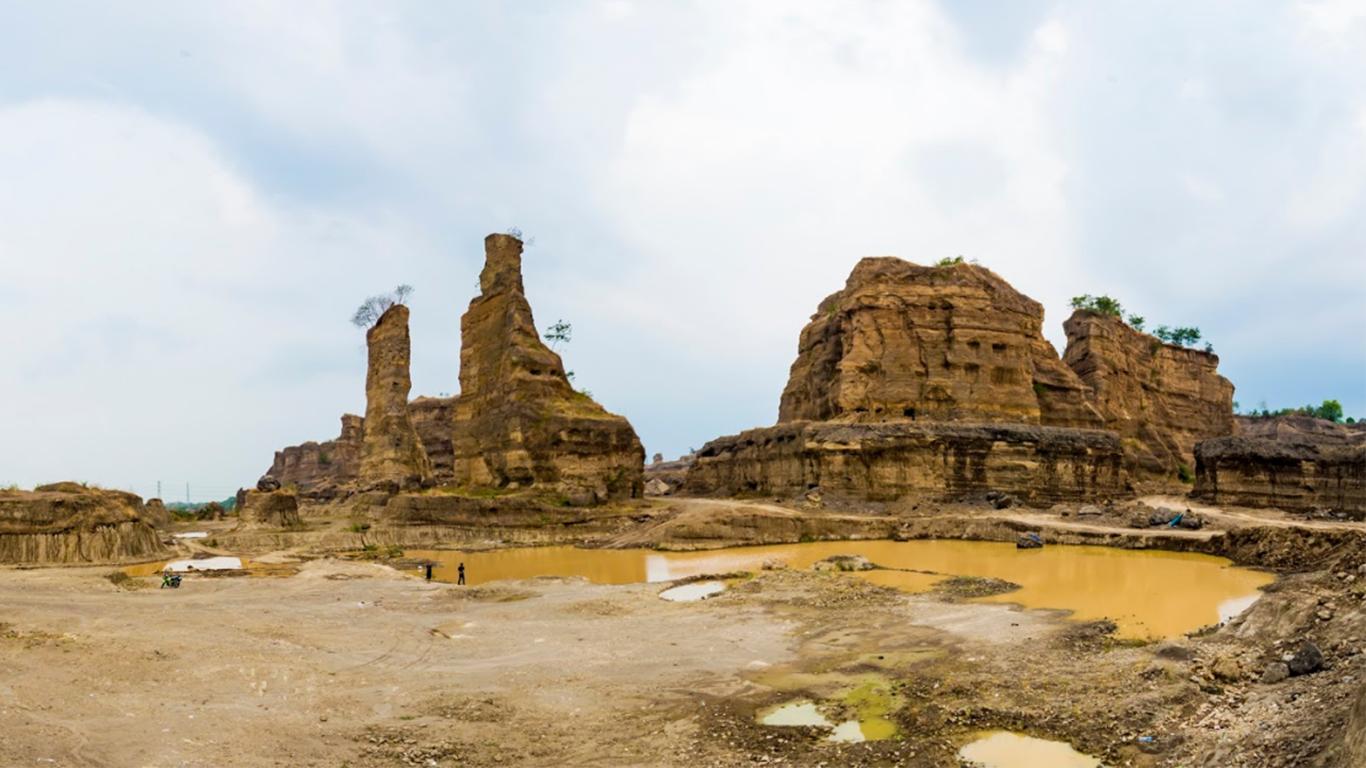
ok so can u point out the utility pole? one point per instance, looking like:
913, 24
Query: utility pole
187, 492
158, 489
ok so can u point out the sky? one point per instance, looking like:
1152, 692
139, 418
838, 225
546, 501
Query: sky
195, 196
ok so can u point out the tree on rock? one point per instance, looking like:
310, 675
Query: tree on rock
374, 307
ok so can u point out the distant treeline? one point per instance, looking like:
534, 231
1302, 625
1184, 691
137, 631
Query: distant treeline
1330, 410
182, 506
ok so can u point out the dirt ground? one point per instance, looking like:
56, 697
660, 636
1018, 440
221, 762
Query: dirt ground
330, 662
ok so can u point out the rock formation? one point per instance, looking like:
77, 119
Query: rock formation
666, 477
1162, 399
1296, 463
933, 381
1038, 465
155, 513
950, 343
316, 469
71, 523
391, 454
518, 422
268, 509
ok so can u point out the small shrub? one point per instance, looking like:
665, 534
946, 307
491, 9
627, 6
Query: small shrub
359, 527
949, 261
1184, 473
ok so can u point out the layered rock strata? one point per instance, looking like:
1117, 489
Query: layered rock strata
1292, 464
317, 468
433, 418
518, 422
1038, 465
1162, 399
948, 343
70, 523
391, 455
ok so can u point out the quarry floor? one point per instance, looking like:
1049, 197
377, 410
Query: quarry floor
337, 662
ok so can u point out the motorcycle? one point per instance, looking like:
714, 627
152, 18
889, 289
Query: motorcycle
171, 580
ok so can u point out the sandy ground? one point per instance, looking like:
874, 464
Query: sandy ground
354, 664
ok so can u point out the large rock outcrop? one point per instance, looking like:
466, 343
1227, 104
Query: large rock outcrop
1295, 463
71, 523
518, 422
946, 343
319, 468
391, 456
1162, 399
1038, 465
928, 381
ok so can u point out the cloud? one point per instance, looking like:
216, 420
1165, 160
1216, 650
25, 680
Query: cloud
196, 197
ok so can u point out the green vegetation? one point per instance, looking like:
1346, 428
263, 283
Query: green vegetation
374, 307
1330, 410
1181, 336
558, 332
1101, 305
949, 261
1184, 473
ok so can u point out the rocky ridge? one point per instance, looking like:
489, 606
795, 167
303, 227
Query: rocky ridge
392, 456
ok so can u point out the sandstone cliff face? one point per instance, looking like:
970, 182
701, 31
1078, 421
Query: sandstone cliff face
518, 422
953, 343
69, 523
433, 418
391, 453
1298, 464
1161, 399
313, 467
1039, 465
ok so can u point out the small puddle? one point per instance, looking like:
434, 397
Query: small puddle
1149, 594
1003, 749
796, 713
691, 593
187, 566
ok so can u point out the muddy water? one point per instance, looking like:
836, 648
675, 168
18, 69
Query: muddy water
1003, 749
1147, 593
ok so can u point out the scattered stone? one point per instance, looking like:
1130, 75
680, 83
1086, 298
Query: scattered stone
844, 563
1000, 500
1174, 652
267, 483
1307, 660
775, 564
1227, 669
1090, 510
1029, 541
1275, 672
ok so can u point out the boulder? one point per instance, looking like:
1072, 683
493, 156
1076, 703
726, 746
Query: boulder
267, 483
73, 523
269, 509
1029, 541
844, 563
518, 422
657, 487
1307, 660
1162, 399
392, 456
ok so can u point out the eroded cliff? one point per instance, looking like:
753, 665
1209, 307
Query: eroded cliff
1296, 463
1162, 399
71, 523
518, 422
318, 469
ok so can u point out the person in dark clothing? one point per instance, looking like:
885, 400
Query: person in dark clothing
429, 571
461, 571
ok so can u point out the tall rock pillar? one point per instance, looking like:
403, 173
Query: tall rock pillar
391, 454
518, 422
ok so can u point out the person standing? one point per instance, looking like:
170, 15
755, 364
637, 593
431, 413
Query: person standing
461, 572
